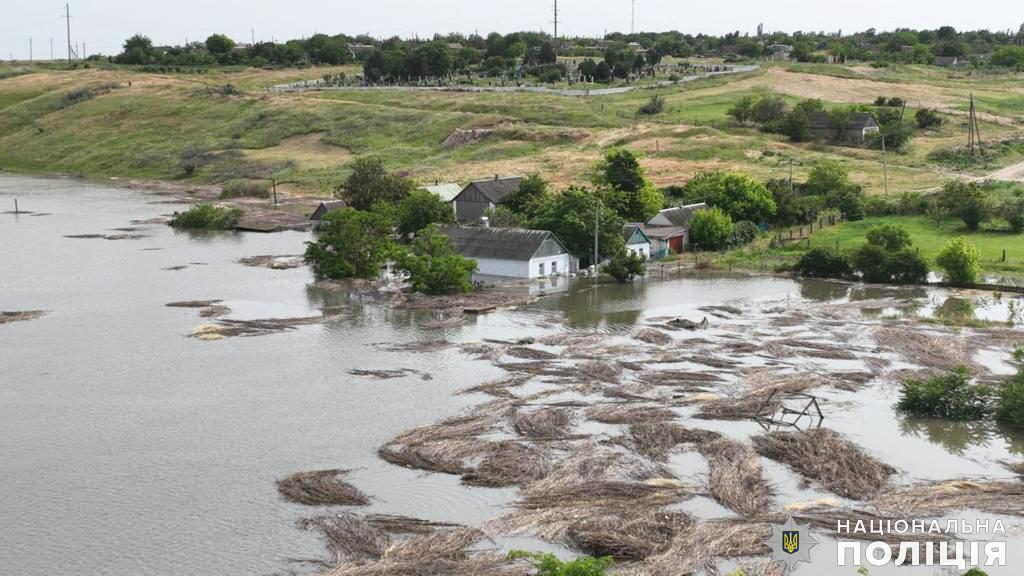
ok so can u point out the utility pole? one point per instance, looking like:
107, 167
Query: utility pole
51, 49
252, 33
885, 168
555, 21
29, 49
791, 176
597, 224
632, 17
67, 16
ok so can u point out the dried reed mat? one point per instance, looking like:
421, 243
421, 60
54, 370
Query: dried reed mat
20, 316
321, 488
741, 408
499, 388
656, 440
679, 378
624, 413
826, 458
348, 537
508, 463
930, 350
994, 497
735, 477
602, 371
431, 345
526, 353
542, 424
395, 524
696, 549
652, 336
632, 534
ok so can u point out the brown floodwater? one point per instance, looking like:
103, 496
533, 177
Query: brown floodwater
128, 448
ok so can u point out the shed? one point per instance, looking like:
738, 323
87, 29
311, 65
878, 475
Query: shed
862, 126
477, 197
637, 242
445, 191
512, 252
326, 207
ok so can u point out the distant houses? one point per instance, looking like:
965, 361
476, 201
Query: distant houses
478, 197
669, 229
861, 127
510, 252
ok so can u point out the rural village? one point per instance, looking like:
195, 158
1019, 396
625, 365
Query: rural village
527, 303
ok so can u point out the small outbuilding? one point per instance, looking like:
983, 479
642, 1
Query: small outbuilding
669, 229
478, 197
326, 207
861, 127
446, 191
510, 252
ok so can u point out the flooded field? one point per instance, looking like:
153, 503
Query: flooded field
142, 438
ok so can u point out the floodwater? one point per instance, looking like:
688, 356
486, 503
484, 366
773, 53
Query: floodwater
129, 448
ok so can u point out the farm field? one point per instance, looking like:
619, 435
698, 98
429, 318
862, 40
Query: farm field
101, 123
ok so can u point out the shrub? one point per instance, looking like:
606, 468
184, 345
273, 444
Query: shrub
653, 106
624, 267
550, 565
744, 232
710, 229
1013, 211
247, 188
960, 261
890, 236
207, 217
433, 266
420, 209
352, 243
879, 265
949, 395
965, 200
1010, 407
823, 263
927, 118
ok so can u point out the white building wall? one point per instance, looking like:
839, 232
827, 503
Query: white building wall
561, 260
644, 249
495, 267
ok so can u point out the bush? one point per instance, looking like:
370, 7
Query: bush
823, 263
247, 188
744, 232
653, 106
949, 395
927, 118
889, 236
352, 243
710, 229
1013, 211
878, 265
1010, 406
960, 261
967, 201
550, 565
207, 217
433, 266
624, 267
420, 209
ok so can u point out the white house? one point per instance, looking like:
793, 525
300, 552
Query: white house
512, 252
637, 241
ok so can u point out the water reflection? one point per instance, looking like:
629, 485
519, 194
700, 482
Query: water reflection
962, 438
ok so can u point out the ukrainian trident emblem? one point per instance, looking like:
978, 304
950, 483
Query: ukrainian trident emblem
786, 546
791, 541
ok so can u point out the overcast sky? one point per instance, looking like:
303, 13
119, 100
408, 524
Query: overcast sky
104, 24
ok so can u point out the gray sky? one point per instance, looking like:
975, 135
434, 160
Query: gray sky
104, 24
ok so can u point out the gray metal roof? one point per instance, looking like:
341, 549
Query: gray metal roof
628, 230
326, 207
447, 191
497, 243
496, 189
858, 121
681, 215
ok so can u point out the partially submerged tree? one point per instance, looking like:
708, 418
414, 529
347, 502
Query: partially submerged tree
351, 244
420, 209
433, 266
370, 183
571, 217
625, 267
960, 261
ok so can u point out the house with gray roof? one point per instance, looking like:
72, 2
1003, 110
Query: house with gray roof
637, 242
862, 126
510, 252
669, 229
326, 207
482, 195
446, 191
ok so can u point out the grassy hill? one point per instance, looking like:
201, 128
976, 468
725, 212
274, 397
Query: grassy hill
193, 127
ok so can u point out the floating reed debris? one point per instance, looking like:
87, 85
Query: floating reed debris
622, 413
396, 524
735, 477
826, 458
508, 463
21, 316
348, 537
526, 353
696, 549
631, 535
602, 371
742, 408
996, 497
321, 488
543, 424
656, 440
390, 374
652, 336
923, 349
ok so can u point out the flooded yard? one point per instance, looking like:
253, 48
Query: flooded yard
142, 438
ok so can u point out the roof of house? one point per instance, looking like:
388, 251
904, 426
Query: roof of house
628, 230
497, 243
447, 191
326, 207
858, 121
679, 216
946, 60
663, 232
496, 189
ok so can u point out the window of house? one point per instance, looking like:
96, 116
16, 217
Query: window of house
554, 268
541, 269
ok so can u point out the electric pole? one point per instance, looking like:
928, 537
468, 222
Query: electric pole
67, 16
885, 168
555, 21
29, 49
597, 224
252, 33
51, 49
632, 17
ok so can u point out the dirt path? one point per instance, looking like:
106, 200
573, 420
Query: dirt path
1013, 173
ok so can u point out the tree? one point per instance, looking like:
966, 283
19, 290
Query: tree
1013, 211
888, 258
627, 190
570, 216
433, 266
827, 176
967, 201
351, 243
529, 196
219, 44
742, 110
547, 54
624, 267
889, 236
375, 67
137, 50
502, 217
823, 263
960, 261
789, 209
370, 183
710, 229
738, 195
420, 209
927, 118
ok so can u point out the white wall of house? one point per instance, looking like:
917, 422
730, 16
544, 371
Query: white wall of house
556, 264
644, 249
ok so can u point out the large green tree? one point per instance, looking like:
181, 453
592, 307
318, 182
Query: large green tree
624, 186
420, 209
738, 195
370, 183
571, 216
529, 197
351, 243
433, 265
